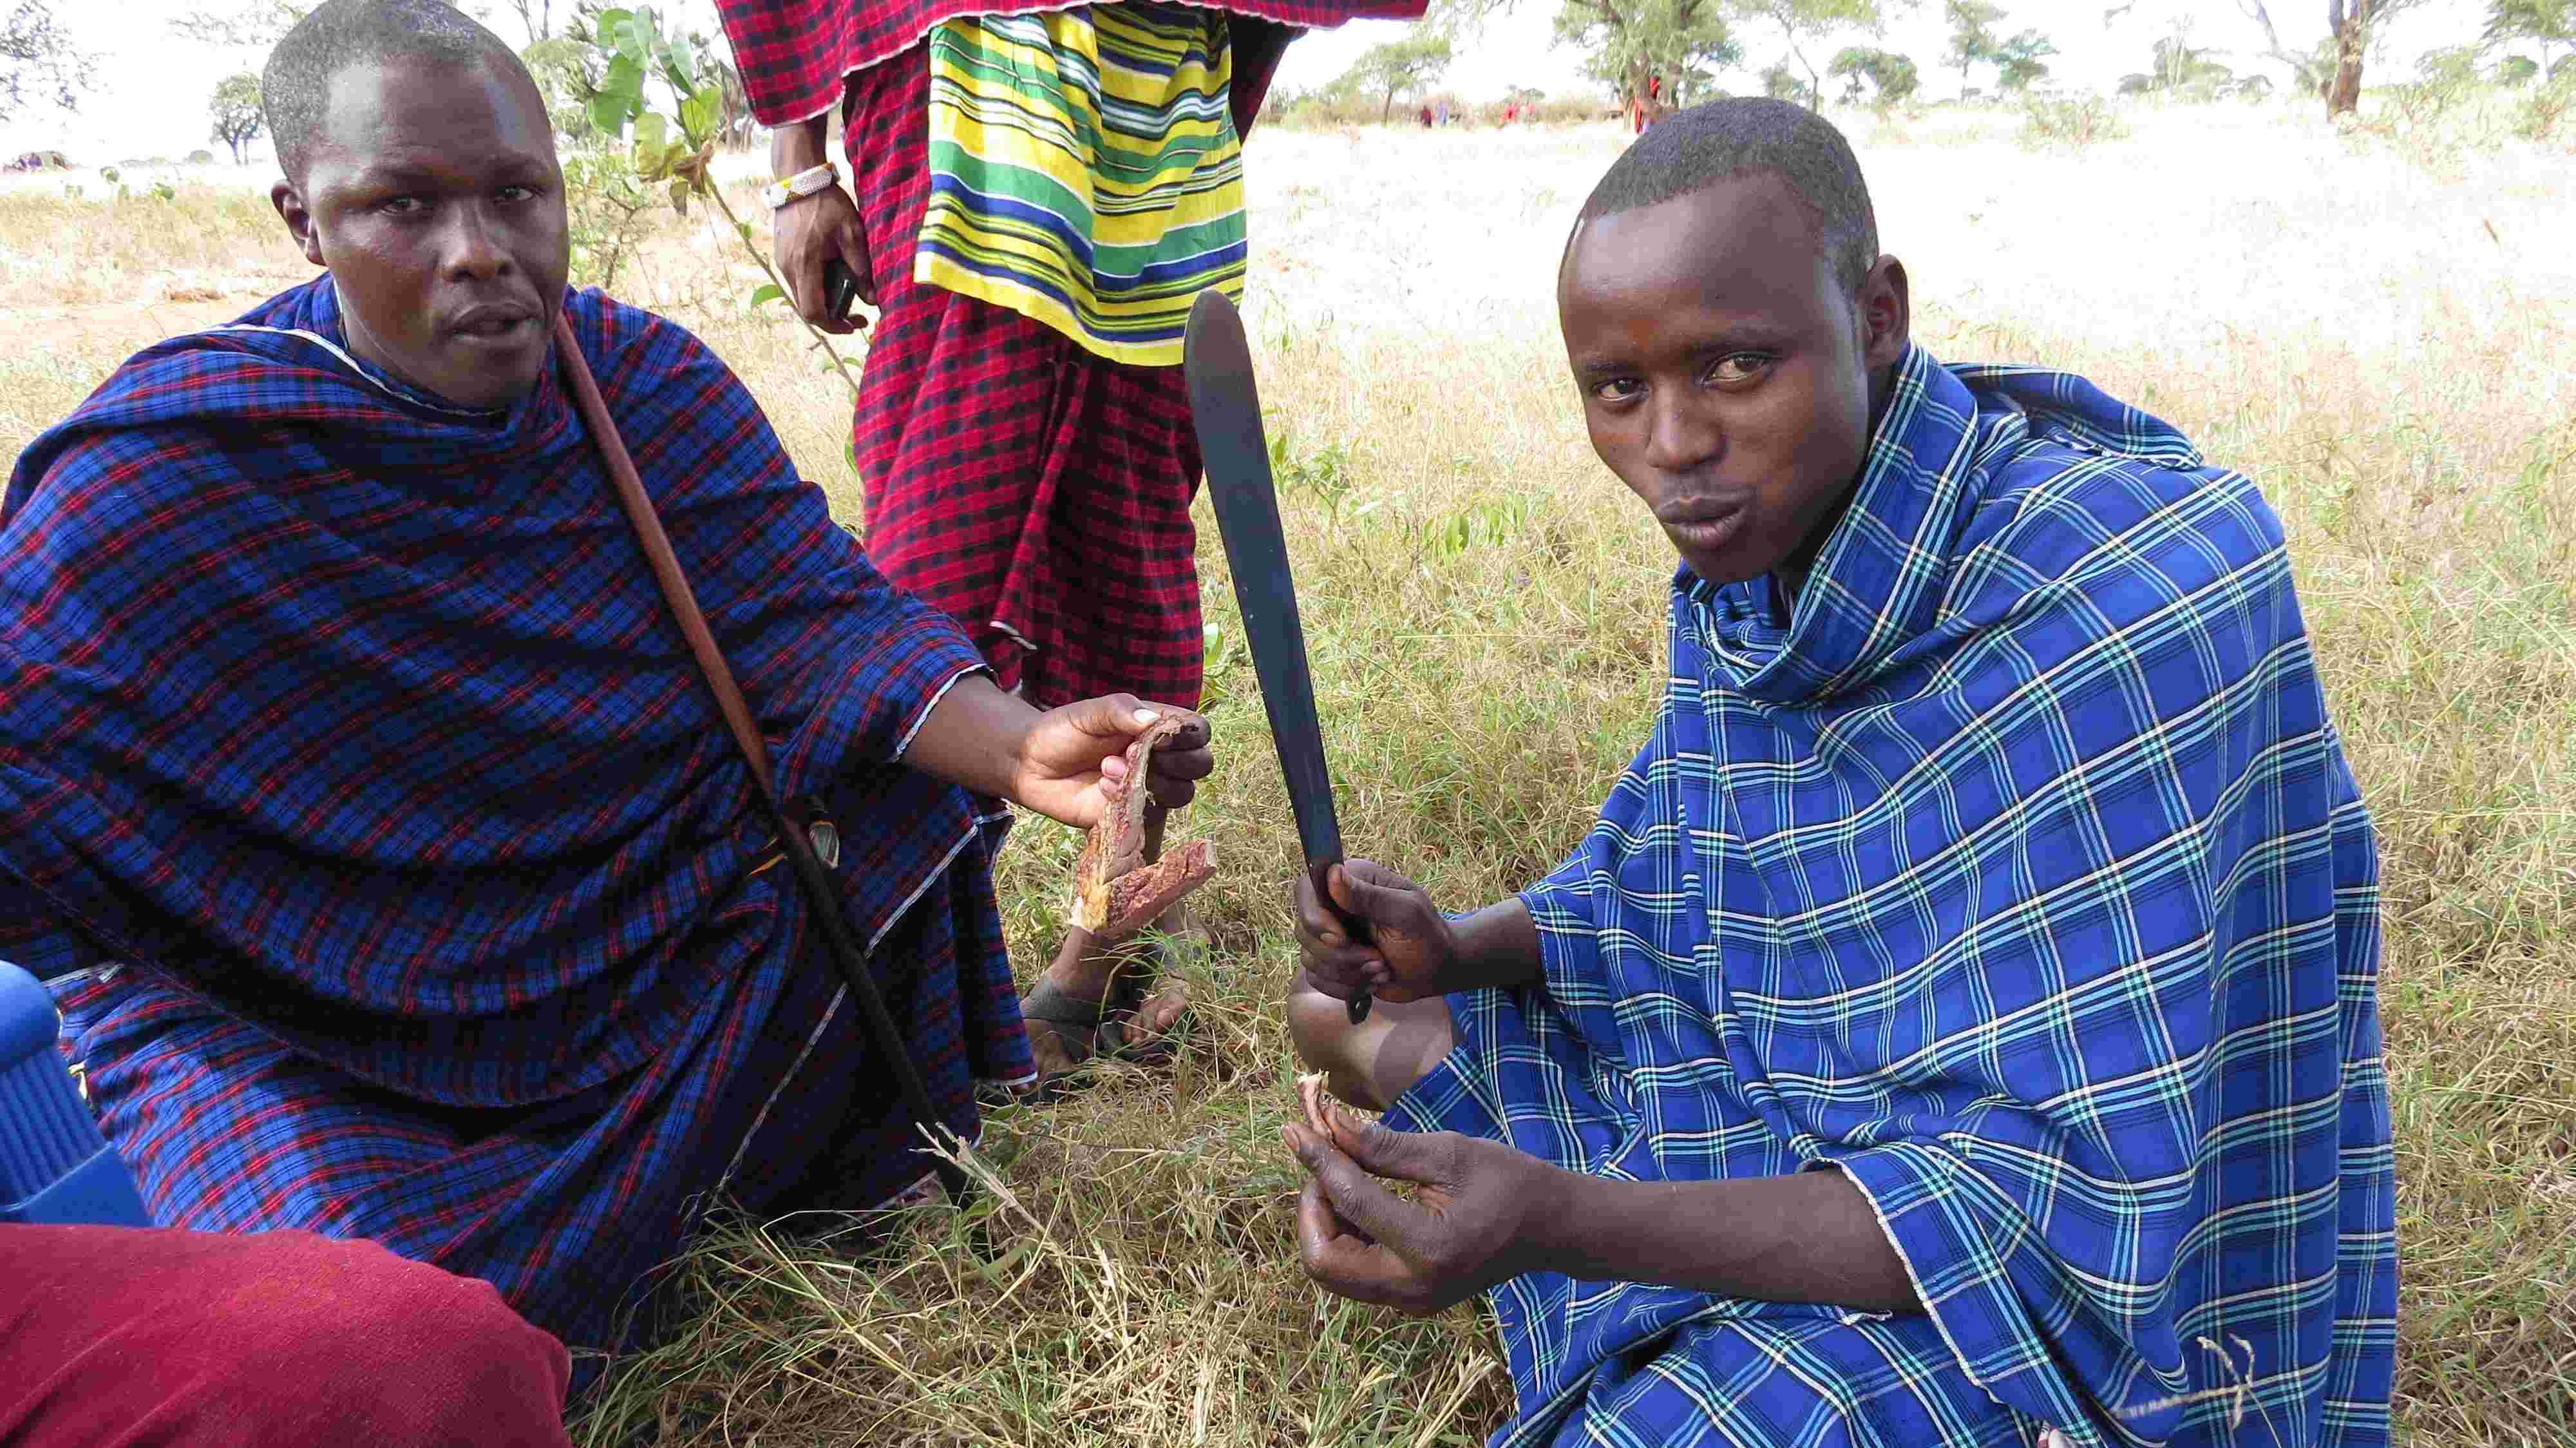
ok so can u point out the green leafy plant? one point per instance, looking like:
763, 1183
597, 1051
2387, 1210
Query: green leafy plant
674, 152
610, 210
1494, 523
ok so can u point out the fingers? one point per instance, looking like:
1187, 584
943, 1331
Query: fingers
1336, 964
1172, 774
1342, 1260
1192, 737
1357, 1196
1171, 762
810, 233
1382, 1151
1168, 792
1318, 1224
851, 241
1375, 893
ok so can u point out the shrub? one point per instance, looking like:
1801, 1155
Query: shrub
2075, 122
2539, 115
608, 209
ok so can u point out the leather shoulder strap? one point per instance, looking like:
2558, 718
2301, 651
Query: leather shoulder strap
666, 564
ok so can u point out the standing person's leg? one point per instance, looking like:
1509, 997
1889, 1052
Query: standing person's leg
980, 437
111, 1337
1127, 603
950, 426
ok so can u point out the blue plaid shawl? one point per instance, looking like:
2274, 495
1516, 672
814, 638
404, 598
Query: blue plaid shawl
2017, 873
363, 717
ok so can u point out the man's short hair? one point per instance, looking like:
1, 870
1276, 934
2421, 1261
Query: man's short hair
1722, 139
295, 88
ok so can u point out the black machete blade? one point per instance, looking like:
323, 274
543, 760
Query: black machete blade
1216, 361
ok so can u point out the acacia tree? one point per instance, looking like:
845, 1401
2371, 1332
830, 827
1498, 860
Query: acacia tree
538, 16
2356, 25
2546, 23
2020, 60
257, 25
1805, 23
235, 107
2313, 71
1891, 77
1628, 42
2334, 70
1398, 66
37, 57
1972, 34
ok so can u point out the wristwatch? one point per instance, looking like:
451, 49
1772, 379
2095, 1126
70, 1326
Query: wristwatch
807, 182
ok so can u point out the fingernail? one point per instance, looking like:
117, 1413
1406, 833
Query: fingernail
1146, 716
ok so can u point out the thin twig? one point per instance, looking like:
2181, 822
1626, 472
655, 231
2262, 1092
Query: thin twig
840, 365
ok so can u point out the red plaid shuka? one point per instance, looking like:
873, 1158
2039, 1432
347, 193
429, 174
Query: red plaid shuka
1037, 493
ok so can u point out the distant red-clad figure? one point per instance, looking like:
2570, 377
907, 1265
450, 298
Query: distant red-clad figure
1642, 111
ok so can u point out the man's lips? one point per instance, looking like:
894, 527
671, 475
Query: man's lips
1701, 524
494, 322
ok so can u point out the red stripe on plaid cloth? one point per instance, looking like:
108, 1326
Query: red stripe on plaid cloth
1037, 493
794, 53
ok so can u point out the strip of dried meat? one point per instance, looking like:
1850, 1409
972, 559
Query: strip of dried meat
1116, 893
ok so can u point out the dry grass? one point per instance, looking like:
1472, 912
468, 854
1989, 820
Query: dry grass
2386, 343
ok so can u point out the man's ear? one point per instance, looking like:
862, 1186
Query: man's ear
298, 218
1886, 314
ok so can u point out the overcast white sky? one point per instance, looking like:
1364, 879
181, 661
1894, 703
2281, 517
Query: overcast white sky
152, 85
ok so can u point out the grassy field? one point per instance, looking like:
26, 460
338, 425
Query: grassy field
2384, 336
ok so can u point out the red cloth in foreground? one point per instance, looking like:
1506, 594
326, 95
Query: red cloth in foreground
1037, 493
112, 1337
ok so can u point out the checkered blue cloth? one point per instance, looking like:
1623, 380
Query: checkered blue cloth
2016, 872
349, 747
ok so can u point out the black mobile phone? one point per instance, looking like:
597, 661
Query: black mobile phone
840, 288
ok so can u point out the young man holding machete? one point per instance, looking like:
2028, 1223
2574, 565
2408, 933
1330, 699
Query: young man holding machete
1960, 1026
397, 872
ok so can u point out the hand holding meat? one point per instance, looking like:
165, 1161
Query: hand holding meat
1117, 891
1074, 759
1464, 1231
1413, 950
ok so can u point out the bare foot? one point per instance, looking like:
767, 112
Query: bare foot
1110, 985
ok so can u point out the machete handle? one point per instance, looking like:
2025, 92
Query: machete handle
1320, 872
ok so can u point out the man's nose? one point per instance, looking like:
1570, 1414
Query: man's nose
1682, 431
474, 247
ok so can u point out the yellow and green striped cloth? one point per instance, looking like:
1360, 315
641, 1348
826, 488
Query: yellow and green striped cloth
1084, 170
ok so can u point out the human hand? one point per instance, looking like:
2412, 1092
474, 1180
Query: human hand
1067, 752
1412, 946
1464, 1231
808, 234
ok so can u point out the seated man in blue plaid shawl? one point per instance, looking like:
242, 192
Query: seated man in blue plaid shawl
396, 871
1960, 1025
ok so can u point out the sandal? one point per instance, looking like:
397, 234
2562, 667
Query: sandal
1133, 987
1048, 1004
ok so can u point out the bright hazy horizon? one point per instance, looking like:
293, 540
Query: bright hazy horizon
152, 85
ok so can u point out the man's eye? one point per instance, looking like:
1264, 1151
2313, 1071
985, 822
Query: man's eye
1618, 389
516, 193
403, 205
1739, 367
